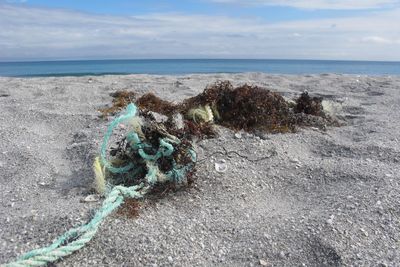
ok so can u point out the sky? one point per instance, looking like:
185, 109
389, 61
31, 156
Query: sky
33, 30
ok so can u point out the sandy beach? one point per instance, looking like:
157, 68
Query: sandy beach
317, 198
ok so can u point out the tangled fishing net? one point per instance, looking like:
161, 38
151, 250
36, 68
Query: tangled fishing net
151, 153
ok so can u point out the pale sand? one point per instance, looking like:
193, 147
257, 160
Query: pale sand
324, 199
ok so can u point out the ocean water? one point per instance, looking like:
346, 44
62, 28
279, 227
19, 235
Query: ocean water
186, 66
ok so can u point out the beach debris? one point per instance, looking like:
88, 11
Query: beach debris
92, 198
99, 176
121, 99
43, 184
151, 102
158, 117
130, 208
238, 135
243, 108
178, 83
309, 105
331, 108
157, 153
221, 166
152, 156
177, 120
246, 107
153, 152
201, 114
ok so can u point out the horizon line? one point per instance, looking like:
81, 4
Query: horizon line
188, 59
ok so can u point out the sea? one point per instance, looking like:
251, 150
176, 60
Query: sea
189, 66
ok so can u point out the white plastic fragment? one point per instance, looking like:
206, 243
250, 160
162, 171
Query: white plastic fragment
92, 198
221, 166
178, 121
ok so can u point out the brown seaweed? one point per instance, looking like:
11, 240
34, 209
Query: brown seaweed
151, 102
309, 105
120, 100
130, 208
247, 107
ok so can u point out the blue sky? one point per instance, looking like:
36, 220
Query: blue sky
313, 29
270, 13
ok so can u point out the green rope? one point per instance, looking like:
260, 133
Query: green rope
76, 238
130, 113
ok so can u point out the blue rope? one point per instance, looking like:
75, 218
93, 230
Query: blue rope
130, 113
76, 238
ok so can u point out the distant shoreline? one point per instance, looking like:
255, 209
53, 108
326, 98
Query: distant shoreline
82, 75
79, 68
197, 59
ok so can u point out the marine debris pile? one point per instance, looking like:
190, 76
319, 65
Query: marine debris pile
247, 107
150, 154
161, 139
157, 150
121, 99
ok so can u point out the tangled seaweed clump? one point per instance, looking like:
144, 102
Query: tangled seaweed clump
153, 103
156, 156
247, 107
309, 105
153, 147
120, 100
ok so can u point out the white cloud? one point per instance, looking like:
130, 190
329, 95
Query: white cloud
380, 40
317, 4
38, 33
16, 1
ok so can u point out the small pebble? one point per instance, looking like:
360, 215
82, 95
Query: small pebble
295, 160
92, 198
364, 232
330, 220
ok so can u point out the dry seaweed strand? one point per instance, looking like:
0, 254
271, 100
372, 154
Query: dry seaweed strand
309, 105
120, 100
249, 108
246, 107
151, 102
130, 208
252, 108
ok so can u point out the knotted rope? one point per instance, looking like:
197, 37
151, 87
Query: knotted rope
78, 237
